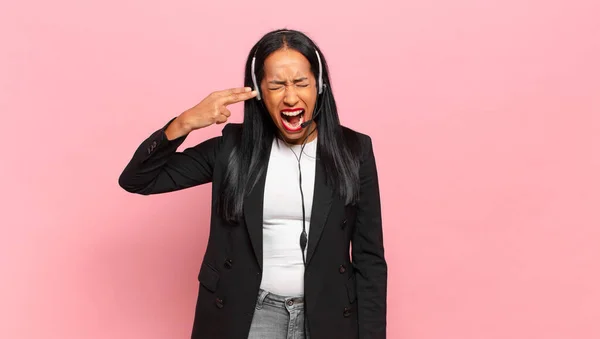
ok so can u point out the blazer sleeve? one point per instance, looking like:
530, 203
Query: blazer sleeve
368, 253
157, 167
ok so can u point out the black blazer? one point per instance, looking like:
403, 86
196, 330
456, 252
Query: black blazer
345, 296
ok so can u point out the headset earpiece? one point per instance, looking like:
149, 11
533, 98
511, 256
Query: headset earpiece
254, 77
320, 73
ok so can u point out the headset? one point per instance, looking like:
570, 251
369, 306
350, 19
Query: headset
321, 88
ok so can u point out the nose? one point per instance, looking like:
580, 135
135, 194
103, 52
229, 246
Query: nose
291, 97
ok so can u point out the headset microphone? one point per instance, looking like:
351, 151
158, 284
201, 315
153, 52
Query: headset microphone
307, 122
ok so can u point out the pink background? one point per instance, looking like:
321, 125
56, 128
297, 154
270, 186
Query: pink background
485, 117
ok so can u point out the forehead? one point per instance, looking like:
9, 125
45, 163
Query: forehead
286, 62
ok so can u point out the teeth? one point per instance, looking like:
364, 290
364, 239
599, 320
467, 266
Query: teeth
292, 114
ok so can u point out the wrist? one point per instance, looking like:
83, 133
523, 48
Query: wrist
182, 124
177, 128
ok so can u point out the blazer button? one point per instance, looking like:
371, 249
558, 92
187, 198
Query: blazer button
219, 302
344, 223
342, 269
152, 147
346, 312
228, 263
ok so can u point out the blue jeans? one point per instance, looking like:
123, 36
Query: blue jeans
278, 317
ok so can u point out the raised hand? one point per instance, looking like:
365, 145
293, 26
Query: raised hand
211, 110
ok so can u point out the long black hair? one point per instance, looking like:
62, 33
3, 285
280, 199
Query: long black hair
337, 150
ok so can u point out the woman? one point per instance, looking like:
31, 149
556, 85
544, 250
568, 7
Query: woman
292, 190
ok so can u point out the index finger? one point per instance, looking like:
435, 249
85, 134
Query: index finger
234, 90
237, 97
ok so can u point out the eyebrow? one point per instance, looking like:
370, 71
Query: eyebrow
278, 82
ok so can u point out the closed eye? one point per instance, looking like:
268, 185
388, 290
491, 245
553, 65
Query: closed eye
300, 82
280, 87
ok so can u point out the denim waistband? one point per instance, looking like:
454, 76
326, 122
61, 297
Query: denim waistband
266, 297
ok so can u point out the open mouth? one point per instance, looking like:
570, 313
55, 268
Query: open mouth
292, 119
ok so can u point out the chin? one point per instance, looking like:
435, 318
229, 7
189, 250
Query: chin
294, 137
291, 135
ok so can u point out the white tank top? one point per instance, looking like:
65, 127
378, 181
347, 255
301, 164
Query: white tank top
283, 268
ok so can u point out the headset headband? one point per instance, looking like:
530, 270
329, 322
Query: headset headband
258, 97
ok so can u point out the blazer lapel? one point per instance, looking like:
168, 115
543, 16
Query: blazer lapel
322, 200
253, 214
